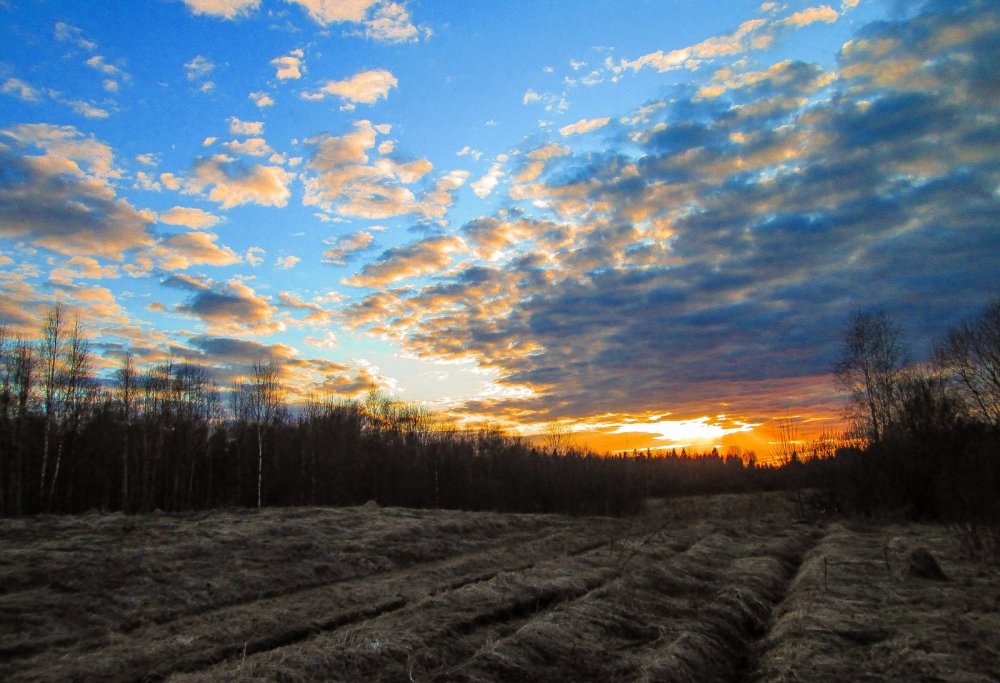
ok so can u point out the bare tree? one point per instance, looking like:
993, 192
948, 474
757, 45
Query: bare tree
785, 446
127, 381
20, 362
52, 344
75, 381
870, 370
260, 402
971, 356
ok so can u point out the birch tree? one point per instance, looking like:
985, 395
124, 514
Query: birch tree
871, 370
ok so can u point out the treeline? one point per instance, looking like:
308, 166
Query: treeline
167, 438
925, 441
928, 437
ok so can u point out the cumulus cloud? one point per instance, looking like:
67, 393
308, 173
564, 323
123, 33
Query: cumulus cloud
342, 178
62, 197
366, 87
811, 15
232, 307
584, 126
226, 9
289, 67
392, 24
20, 89
262, 99
711, 248
487, 183
346, 246
231, 183
88, 109
423, 257
332, 11
198, 68
255, 147
180, 252
286, 262
189, 217
239, 127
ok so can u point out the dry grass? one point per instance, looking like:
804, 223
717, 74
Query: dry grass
858, 611
725, 588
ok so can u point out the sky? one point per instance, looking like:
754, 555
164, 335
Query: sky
642, 224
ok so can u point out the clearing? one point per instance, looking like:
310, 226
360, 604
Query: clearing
724, 588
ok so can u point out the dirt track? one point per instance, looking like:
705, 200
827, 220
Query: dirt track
724, 589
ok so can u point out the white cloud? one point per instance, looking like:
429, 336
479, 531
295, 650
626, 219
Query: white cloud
255, 256
88, 110
256, 147
238, 127
811, 15
485, 185
584, 126
345, 246
262, 99
227, 9
331, 11
391, 24
20, 89
286, 262
189, 217
231, 184
199, 67
289, 67
366, 87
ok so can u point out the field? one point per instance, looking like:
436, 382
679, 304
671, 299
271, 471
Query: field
726, 588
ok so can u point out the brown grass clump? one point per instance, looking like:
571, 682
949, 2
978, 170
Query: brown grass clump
856, 612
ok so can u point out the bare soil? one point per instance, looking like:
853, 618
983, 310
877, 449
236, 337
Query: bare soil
725, 588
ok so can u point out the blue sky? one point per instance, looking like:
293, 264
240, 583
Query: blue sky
645, 221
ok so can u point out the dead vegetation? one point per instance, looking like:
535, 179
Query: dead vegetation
724, 588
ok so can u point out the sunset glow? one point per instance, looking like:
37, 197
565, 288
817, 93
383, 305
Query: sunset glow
641, 224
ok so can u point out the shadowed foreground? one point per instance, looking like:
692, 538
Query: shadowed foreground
728, 588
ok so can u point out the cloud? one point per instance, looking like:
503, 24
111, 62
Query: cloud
255, 256
316, 314
286, 262
262, 99
62, 198
584, 126
67, 33
256, 147
345, 247
199, 67
366, 87
392, 24
550, 151
811, 15
332, 11
711, 250
332, 151
690, 57
423, 257
229, 308
88, 109
225, 9
488, 182
288, 67
189, 217
231, 183
238, 127
20, 89
341, 178
180, 252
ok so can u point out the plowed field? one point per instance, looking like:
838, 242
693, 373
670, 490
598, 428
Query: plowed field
729, 588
